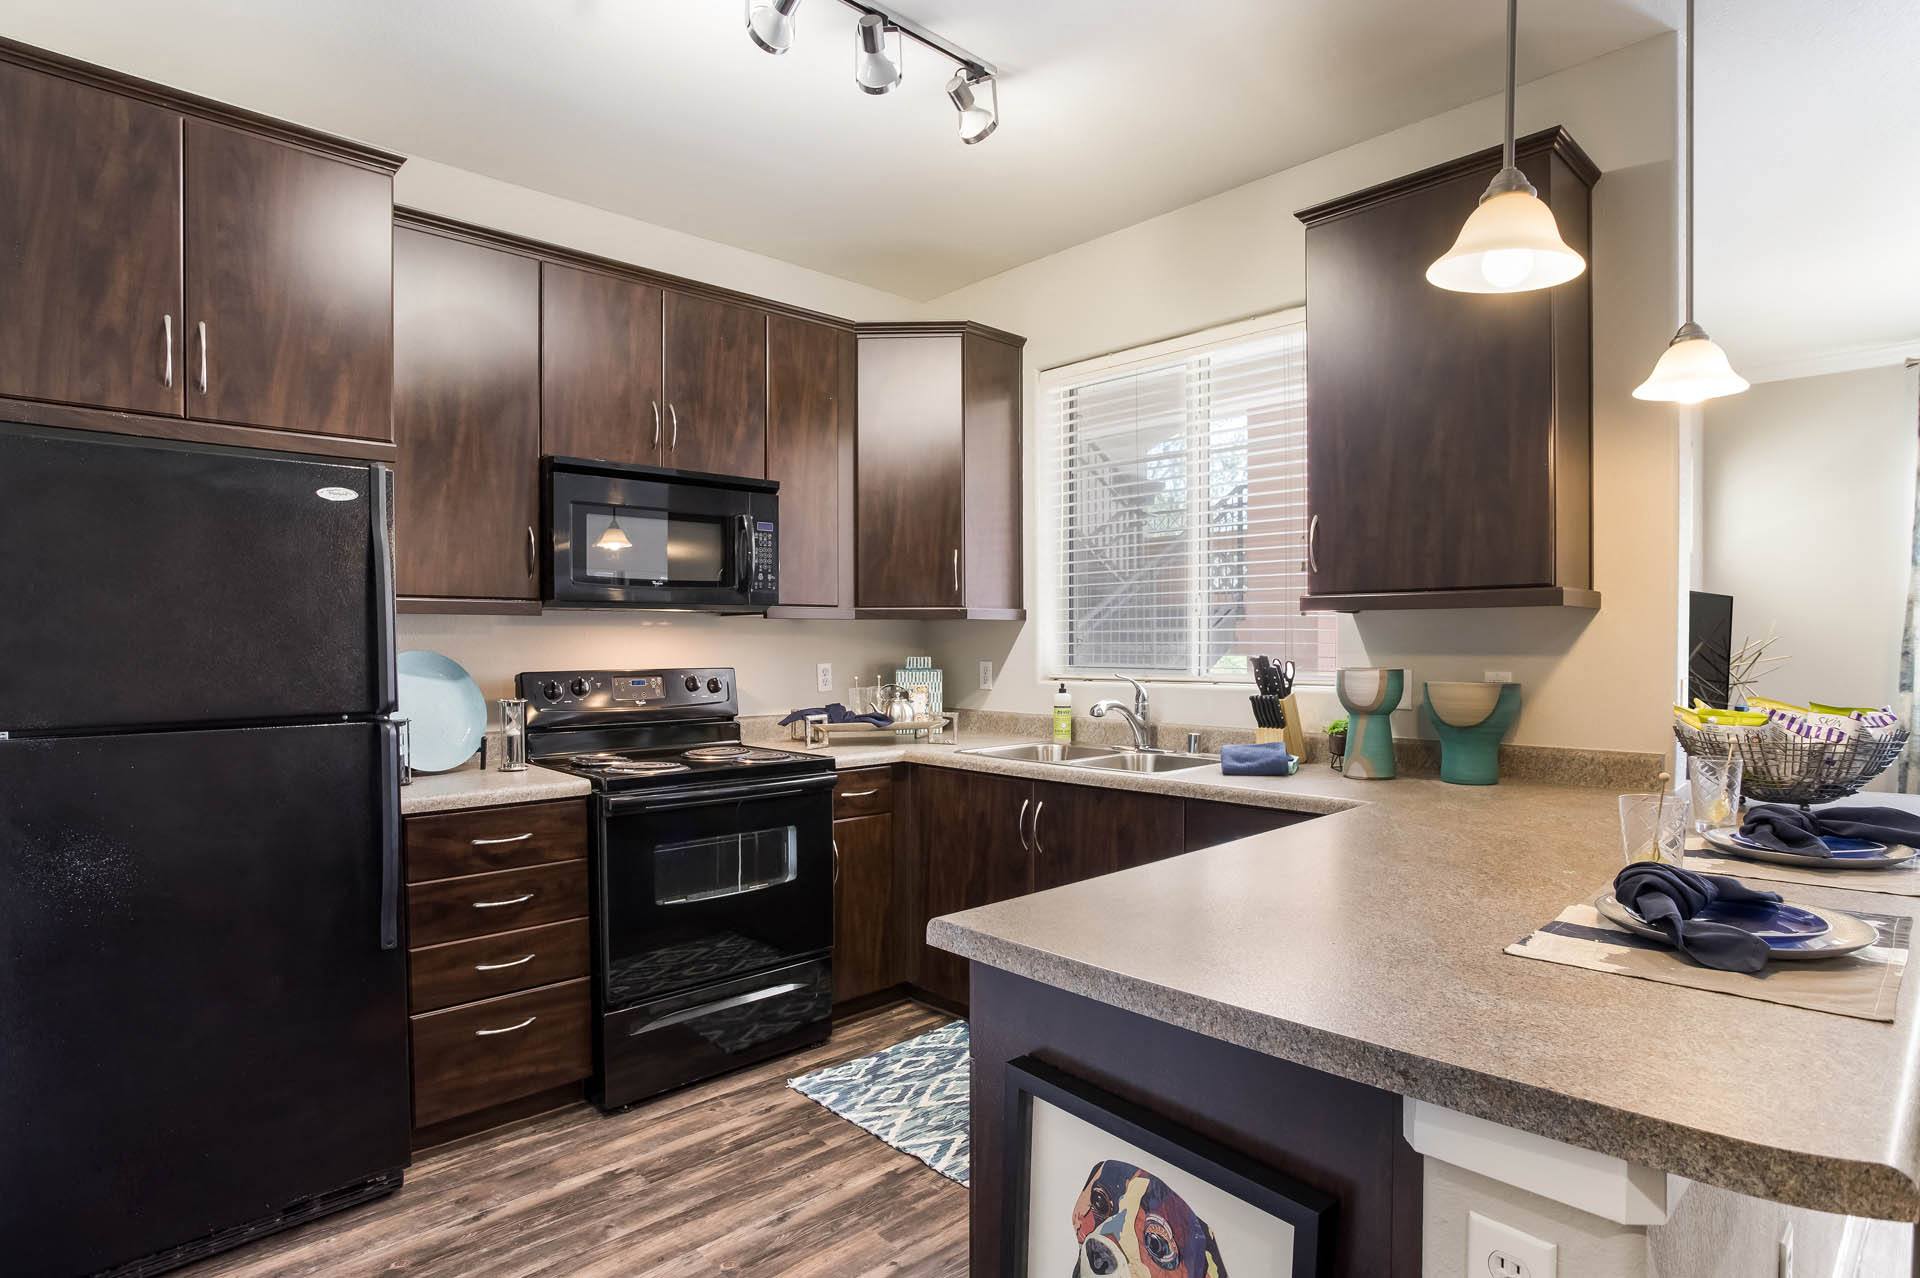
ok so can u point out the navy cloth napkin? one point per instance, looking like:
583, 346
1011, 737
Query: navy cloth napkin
1788, 829
1668, 898
837, 713
1269, 760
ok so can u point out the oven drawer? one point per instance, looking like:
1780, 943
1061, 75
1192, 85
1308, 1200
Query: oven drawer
447, 845
863, 792
658, 1046
504, 901
488, 966
483, 1054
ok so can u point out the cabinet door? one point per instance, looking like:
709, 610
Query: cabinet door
1429, 465
90, 231
975, 855
600, 367
862, 906
716, 365
1080, 832
466, 414
804, 443
290, 287
912, 472
990, 560
1210, 824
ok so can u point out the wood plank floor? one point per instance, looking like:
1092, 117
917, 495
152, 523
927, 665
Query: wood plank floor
739, 1176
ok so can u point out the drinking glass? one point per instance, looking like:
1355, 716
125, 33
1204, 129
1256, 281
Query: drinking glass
1714, 791
1653, 827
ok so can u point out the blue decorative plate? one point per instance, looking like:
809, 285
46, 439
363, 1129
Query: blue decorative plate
1842, 854
1774, 924
446, 713
1844, 933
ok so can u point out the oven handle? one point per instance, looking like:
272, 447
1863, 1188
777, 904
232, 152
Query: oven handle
705, 798
707, 1009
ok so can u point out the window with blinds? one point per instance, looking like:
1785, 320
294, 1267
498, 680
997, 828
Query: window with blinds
1178, 476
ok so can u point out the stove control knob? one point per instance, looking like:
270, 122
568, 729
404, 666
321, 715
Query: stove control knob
713, 685
550, 690
580, 687
693, 683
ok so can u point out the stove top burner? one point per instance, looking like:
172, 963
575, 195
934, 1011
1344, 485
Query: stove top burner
715, 752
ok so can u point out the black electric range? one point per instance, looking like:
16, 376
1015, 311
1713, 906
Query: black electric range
712, 874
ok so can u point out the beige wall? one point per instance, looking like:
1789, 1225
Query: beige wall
1808, 524
1598, 680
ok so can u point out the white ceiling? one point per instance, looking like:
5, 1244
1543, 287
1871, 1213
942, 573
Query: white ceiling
1114, 110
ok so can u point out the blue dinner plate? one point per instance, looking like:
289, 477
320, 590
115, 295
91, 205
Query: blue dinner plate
1775, 924
1837, 848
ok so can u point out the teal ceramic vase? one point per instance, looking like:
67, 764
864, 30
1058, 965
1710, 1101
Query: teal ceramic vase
1470, 719
1370, 694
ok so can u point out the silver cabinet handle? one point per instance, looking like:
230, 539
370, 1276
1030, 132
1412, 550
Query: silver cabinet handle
203, 357
495, 967
674, 413
1020, 824
836, 860
656, 422
512, 900
511, 838
956, 570
533, 552
1313, 533
505, 1029
859, 794
1038, 808
166, 335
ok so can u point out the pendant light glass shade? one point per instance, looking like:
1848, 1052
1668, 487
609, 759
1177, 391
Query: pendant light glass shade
875, 69
771, 23
1510, 244
1691, 370
613, 537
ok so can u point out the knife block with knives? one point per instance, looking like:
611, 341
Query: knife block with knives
1276, 715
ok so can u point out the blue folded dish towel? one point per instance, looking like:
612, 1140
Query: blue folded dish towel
1270, 760
837, 713
1668, 898
1787, 829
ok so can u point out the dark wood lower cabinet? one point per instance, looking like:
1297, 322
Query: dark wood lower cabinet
481, 1054
863, 907
1079, 832
1210, 823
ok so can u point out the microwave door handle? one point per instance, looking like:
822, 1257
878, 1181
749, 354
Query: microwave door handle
743, 552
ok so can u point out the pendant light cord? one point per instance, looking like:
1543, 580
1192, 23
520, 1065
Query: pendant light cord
1689, 163
1513, 26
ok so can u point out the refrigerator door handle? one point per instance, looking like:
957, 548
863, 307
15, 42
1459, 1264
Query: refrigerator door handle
386, 637
389, 836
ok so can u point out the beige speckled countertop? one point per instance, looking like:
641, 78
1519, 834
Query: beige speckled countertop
475, 787
1368, 944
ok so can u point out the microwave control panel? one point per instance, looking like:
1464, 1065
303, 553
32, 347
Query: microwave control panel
766, 557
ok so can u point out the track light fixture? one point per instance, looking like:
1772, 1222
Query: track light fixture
974, 89
874, 69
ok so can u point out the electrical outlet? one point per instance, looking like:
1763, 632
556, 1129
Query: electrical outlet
1496, 1250
1499, 676
986, 675
823, 676
1786, 1251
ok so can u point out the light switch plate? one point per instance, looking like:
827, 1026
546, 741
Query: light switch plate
1499, 676
986, 675
823, 676
1498, 1250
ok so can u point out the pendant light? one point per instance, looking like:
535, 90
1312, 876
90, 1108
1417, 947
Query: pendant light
1693, 368
1510, 243
613, 538
875, 70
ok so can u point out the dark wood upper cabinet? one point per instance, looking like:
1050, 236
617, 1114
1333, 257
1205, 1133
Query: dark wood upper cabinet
600, 392
466, 353
808, 440
289, 286
716, 386
940, 471
89, 246
1448, 433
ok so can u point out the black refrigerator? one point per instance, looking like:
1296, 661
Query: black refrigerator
203, 1016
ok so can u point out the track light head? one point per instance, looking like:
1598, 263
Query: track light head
874, 69
977, 120
771, 24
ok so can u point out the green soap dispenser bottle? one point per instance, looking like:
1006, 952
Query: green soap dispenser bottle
1062, 716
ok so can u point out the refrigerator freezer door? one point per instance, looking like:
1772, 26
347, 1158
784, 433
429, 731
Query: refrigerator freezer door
199, 1024
148, 582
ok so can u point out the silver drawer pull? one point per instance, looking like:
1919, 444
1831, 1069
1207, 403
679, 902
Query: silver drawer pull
511, 838
505, 1029
512, 900
495, 967
860, 794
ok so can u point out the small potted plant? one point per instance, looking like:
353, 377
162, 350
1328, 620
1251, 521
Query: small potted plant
1337, 743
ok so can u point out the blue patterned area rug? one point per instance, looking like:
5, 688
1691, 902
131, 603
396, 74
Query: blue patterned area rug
913, 1096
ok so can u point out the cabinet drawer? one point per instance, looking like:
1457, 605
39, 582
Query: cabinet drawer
450, 844
482, 1054
488, 966
863, 792
504, 901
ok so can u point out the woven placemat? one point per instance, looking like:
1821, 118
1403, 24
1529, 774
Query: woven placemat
1864, 985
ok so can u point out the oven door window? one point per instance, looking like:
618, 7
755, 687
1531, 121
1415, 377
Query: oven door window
724, 865
621, 545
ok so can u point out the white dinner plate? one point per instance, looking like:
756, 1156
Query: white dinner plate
447, 716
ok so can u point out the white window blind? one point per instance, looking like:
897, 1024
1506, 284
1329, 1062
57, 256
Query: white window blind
1178, 480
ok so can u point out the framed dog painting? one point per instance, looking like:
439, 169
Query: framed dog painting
1116, 1191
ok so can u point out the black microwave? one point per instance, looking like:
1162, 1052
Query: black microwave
646, 537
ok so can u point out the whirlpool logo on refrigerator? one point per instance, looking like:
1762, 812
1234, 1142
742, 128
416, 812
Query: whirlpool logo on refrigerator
335, 494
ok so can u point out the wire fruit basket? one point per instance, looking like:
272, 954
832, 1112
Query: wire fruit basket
1779, 767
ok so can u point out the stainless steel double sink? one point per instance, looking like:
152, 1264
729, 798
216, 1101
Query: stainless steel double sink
1099, 758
